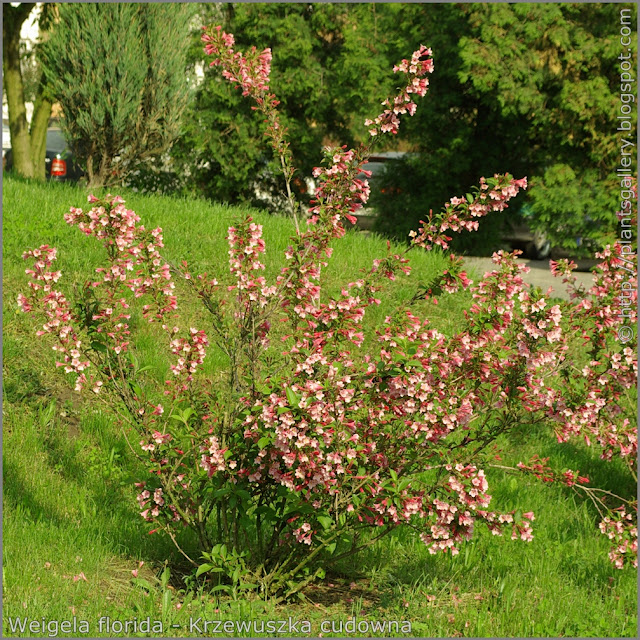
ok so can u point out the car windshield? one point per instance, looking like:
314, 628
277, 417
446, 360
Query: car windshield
55, 141
376, 168
378, 161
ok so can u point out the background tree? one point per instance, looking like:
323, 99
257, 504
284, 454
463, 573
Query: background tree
328, 70
456, 139
526, 88
118, 71
555, 68
28, 142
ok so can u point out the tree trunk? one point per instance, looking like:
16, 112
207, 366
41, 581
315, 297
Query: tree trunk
90, 177
12, 19
28, 146
38, 132
96, 175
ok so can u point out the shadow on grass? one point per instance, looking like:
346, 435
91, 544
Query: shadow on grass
17, 494
610, 475
104, 510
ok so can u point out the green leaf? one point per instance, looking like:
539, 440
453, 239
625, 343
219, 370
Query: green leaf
293, 399
166, 602
141, 582
166, 575
264, 441
220, 587
325, 521
136, 389
303, 508
203, 568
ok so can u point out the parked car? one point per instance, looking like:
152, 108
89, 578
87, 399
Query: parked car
519, 235
377, 165
59, 161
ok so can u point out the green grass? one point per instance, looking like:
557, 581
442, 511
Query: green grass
69, 504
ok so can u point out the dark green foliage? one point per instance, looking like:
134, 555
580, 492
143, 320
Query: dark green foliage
529, 89
118, 71
458, 138
575, 207
554, 68
329, 71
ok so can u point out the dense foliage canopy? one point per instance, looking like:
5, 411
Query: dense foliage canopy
532, 88
120, 84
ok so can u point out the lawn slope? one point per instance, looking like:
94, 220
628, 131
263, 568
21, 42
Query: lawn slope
73, 535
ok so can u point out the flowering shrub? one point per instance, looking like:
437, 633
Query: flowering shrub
309, 440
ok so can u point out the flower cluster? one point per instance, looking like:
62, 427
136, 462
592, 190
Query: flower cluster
303, 533
340, 179
593, 406
416, 69
622, 529
213, 457
152, 505
191, 352
56, 312
250, 71
134, 252
245, 246
462, 213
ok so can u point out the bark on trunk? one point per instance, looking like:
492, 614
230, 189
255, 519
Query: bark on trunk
38, 132
28, 145
96, 176
12, 19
